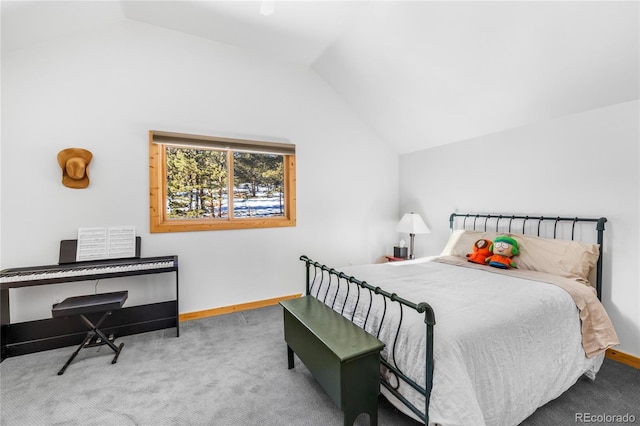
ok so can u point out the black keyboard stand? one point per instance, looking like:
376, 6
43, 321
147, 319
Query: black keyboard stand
94, 303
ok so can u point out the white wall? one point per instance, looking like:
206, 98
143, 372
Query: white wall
104, 90
584, 164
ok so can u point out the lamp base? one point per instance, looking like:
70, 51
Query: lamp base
411, 237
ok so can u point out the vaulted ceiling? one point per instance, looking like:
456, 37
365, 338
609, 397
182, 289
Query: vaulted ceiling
421, 73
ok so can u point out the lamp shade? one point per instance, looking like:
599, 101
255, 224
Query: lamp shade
412, 223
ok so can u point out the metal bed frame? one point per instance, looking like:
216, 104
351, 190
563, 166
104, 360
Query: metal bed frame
319, 280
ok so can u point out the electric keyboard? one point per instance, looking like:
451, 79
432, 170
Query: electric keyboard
50, 333
81, 271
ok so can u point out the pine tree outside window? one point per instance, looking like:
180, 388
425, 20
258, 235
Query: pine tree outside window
202, 183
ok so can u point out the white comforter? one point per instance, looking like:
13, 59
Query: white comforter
503, 346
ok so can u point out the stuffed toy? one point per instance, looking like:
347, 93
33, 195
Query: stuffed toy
480, 251
503, 249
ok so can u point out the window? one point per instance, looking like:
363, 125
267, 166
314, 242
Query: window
200, 183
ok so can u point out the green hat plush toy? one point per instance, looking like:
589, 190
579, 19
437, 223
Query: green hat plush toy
503, 249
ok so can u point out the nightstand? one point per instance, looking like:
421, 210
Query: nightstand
395, 259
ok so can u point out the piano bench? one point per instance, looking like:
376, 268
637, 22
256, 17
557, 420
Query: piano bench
89, 304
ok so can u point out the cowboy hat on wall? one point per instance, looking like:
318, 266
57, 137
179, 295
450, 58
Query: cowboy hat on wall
75, 167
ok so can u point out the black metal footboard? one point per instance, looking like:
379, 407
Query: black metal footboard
320, 280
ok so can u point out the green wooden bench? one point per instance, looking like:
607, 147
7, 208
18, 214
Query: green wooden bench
342, 357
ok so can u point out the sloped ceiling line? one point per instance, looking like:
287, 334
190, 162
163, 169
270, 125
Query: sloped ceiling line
421, 73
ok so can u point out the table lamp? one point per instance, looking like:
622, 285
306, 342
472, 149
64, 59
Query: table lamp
412, 224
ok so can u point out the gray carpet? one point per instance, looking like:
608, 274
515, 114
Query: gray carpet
225, 370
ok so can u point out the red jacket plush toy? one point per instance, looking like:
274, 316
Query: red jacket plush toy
480, 252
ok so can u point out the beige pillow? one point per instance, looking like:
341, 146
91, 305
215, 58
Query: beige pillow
571, 259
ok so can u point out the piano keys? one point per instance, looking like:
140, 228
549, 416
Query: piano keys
81, 271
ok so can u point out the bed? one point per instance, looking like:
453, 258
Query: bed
506, 342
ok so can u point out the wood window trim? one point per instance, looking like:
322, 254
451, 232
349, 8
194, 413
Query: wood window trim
157, 190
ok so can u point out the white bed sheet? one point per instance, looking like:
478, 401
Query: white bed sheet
503, 346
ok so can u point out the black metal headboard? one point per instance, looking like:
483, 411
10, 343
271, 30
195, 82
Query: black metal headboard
531, 225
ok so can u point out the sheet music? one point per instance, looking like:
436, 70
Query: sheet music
92, 244
121, 242
106, 243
